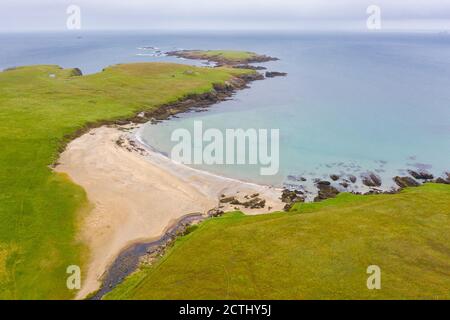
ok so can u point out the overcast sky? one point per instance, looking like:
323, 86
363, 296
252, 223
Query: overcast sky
17, 15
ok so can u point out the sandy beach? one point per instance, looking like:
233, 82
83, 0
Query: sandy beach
137, 194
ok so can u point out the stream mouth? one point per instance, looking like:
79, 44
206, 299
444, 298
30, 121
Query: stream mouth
129, 259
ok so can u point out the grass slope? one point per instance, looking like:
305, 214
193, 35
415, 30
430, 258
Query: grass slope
38, 208
229, 56
318, 251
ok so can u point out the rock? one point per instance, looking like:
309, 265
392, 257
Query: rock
404, 182
289, 196
296, 178
273, 74
326, 192
227, 200
370, 179
421, 175
215, 212
76, 72
247, 66
344, 184
334, 177
352, 178
442, 181
323, 183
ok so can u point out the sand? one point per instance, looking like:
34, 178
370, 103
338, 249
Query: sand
137, 194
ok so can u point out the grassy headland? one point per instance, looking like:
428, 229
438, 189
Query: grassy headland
40, 107
223, 57
317, 251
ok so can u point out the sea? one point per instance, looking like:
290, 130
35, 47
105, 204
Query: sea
351, 103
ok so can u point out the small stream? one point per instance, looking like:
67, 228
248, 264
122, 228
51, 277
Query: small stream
129, 259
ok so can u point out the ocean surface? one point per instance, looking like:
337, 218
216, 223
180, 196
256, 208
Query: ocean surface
351, 103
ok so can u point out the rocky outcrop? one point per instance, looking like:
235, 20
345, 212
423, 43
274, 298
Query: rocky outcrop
445, 180
326, 191
254, 202
442, 181
371, 179
248, 66
421, 175
273, 74
404, 182
291, 197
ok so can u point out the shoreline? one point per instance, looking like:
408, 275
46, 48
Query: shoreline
129, 207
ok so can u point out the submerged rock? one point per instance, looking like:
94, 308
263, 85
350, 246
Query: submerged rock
352, 178
334, 177
344, 184
404, 182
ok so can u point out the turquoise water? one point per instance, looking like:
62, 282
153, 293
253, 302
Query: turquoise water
350, 102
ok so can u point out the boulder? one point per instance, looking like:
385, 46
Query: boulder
326, 192
334, 177
344, 184
273, 74
421, 175
371, 179
404, 182
289, 196
442, 181
227, 200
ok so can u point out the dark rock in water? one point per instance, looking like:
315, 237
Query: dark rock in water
404, 182
326, 192
344, 184
371, 180
248, 66
352, 178
273, 74
295, 178
442, 181
334, 177
323, 183
421, 175
291, 197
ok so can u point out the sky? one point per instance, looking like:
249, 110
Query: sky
36, 15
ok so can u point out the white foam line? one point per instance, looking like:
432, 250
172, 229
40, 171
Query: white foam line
136, 136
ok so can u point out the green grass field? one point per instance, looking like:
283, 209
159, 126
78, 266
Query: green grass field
39, 209
317, 251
